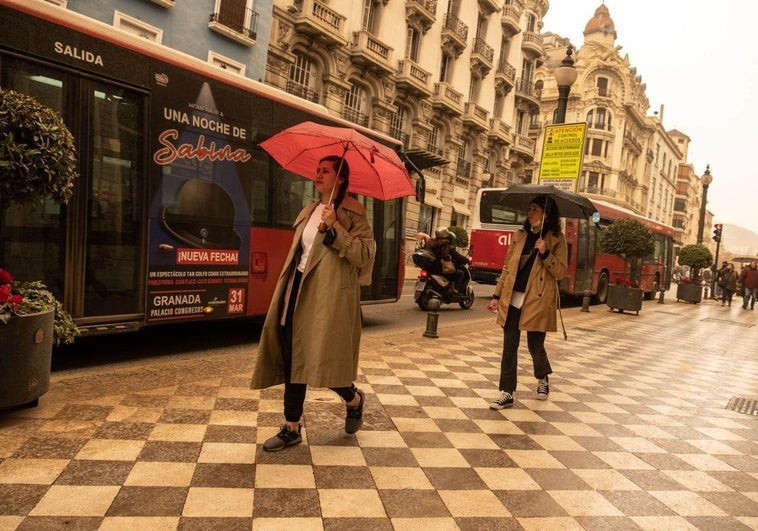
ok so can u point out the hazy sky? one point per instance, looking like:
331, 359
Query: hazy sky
699, 59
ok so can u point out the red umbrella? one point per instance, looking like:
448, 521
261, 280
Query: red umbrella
375, 169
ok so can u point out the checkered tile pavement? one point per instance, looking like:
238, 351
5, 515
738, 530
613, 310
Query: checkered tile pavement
635, 435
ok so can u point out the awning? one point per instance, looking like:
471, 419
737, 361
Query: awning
433, 194
460, 201
423, 159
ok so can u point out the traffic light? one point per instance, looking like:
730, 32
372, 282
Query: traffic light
717, 232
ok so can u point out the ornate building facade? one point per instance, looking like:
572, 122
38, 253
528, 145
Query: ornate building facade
629, 159
454, 81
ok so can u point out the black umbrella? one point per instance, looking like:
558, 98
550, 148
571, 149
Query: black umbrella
570, 205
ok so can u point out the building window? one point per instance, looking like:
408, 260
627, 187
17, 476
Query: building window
412, 44
137, 27
302, 79
434, 139
355, 106
399, 124
446, 67
602, 86
236, 16
369, 16
225, 63
599, 118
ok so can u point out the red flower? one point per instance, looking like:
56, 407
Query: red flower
625, 282
5, 277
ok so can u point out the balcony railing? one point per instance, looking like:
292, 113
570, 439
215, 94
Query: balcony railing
371, 52
241, 23
475, 117
447, 98
500, 131
398, 134
482, 48
302, 91
422, 10
316, 19
531, 41
509, 19
355, 116
411, 76
455, 32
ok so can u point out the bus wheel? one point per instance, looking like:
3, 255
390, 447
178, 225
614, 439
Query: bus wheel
602, 289
468, 302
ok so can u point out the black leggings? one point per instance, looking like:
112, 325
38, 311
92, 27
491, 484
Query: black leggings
294, 393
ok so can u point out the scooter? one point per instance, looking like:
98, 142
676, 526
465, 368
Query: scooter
430, 286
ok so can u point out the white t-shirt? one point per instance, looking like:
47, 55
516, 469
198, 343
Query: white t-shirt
309, 235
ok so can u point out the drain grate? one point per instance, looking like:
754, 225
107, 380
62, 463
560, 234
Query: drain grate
743, 405
727, 321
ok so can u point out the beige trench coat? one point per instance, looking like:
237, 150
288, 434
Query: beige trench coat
538, 313
327, 318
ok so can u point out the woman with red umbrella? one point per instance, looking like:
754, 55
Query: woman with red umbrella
312, 331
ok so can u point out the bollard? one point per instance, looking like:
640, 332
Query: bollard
586, 300
431, 319
660, 295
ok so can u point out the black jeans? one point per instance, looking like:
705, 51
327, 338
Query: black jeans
511, 340
294, 393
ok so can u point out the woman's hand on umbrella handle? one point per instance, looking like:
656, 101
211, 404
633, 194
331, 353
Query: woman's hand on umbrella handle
329, 216
541, 246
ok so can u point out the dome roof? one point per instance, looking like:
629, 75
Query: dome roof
601, 22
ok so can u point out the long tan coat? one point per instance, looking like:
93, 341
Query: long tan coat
327, 318
538, 313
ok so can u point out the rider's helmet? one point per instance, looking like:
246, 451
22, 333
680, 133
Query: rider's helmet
443, 234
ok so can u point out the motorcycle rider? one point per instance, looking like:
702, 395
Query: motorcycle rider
442, 246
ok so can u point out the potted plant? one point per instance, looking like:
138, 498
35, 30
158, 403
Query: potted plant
696, 257
37, 161
631, 240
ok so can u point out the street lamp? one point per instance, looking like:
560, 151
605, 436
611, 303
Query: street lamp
705, 180
565, 75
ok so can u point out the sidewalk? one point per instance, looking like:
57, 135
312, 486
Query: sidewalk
636, 435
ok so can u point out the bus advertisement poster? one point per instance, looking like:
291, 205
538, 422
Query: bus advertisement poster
562, 153
199, 213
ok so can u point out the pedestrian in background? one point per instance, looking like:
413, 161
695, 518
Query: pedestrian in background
526, 295
749, 279
311, 335
719, 272
728, 284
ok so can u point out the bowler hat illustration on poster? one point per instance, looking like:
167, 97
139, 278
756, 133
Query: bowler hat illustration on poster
202, 216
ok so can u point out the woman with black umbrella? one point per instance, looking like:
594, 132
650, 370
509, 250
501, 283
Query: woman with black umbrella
526, 295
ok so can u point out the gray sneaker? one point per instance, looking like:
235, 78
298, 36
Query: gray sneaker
543, 388
505, 401
283, 439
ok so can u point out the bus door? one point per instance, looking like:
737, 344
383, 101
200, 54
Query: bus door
86, 252
584, 257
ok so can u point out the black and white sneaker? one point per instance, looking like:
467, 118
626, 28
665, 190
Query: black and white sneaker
543, 388
505, 401
354, 415
283, 439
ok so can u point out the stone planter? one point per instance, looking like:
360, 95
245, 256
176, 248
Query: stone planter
624, 298
25, 359
689, 292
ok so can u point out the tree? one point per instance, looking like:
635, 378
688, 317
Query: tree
37, 153
631, 240
461, 237
696, 257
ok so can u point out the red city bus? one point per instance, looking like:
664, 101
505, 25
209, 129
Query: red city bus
588, 267
178, 214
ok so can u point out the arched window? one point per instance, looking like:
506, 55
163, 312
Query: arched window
302, 78
399, 124
355, 106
